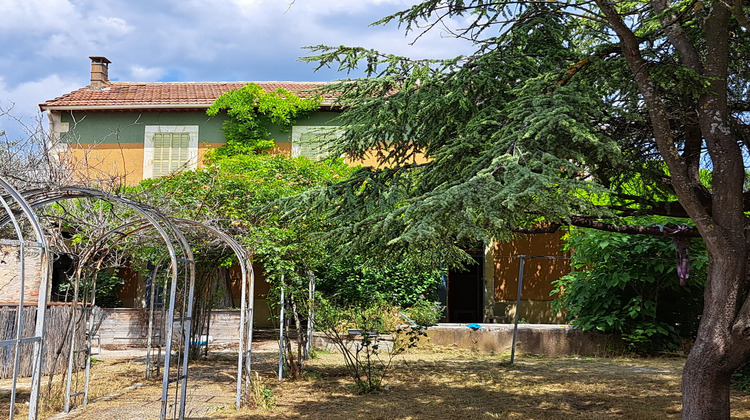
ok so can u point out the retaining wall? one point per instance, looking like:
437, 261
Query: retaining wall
547, 339
128, 327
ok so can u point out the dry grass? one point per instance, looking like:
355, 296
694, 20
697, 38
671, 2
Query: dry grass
457, 385
106, 378
424, 384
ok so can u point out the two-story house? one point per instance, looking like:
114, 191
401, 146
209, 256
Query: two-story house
129, 131
135, 130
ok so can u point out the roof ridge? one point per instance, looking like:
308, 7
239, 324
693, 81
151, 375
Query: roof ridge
226, 82
129, 95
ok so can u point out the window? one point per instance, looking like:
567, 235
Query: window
312, 141
169, 148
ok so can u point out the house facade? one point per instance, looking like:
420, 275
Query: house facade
130, 131
124, 132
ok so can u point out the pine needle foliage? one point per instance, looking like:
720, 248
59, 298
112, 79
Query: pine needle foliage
473, 147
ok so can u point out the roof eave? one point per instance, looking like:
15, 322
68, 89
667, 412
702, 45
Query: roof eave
133, 107
119, 107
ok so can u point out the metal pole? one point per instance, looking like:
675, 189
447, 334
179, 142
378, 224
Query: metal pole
241, 349
310, 314
150, 334
19, 310
41, 313
38, 338
282, 321
72, 332
90, 328
249, 328
168, 330
518, 308
187, 324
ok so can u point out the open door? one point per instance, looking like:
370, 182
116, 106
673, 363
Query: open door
466, 290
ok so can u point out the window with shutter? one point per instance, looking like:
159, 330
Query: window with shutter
312, 141
168, 149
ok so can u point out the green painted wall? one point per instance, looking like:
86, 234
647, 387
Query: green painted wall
321, 118
128, 127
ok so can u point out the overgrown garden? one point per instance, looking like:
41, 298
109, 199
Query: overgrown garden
622, 117
237, 189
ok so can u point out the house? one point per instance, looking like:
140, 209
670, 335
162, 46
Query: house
129, 131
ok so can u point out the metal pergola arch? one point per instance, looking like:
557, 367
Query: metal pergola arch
15, 198
153, 217
244, 356
247, 293
168, 233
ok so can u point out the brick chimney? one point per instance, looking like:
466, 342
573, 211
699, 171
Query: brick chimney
99, 73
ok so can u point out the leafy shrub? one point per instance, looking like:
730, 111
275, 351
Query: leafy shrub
628, 285
366, 358
425, 312
108, 284
398, 284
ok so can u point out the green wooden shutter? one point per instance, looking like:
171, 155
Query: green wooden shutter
313, 144
308, 146
171, 152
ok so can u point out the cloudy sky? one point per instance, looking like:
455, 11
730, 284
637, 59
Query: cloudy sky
46, 43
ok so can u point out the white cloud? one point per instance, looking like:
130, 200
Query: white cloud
34, 16
46, 42
114, 26
146, 74
27, 96
22, 101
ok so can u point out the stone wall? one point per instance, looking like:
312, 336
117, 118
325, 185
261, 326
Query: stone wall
10, 279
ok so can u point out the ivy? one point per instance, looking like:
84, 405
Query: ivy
251, 111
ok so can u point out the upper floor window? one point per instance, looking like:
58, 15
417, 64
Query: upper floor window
169, 148
312, 142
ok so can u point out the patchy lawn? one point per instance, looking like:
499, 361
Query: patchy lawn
424, 384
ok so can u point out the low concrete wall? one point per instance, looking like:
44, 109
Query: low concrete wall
128, 327
322, 341
547, 339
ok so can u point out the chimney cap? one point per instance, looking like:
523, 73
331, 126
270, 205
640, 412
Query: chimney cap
99, 59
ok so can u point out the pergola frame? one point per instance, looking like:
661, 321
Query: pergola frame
13, 198
180, 256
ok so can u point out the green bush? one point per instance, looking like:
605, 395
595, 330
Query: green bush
425, 312
352, 283
628, 285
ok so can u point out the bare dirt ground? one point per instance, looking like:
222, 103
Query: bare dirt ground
429, 383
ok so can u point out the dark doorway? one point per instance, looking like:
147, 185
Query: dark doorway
62, 269
465, 291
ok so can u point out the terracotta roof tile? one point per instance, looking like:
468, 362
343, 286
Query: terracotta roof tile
183, 94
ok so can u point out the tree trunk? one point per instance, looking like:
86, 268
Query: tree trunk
722, 340
705, 389
721, 344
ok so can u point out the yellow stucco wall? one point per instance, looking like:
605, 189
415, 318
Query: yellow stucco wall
371, 159
114, 163
107, 162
